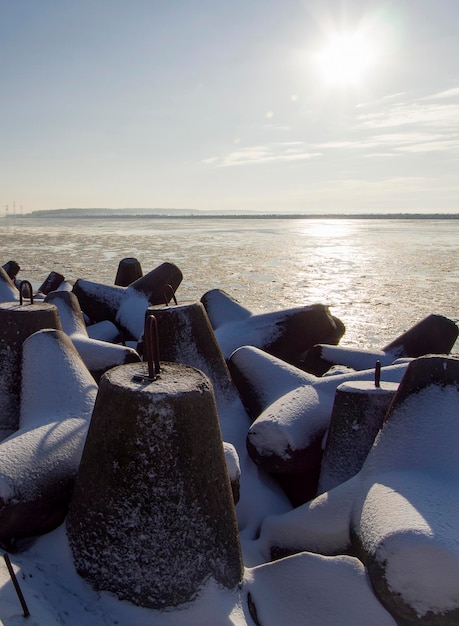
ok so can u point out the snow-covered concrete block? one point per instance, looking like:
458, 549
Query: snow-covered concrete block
292, 408
185, 335
98, 356
8, 290
152, 515
435, 334
404, 516
286, 334
17, 322
399, 513
129, 270
126, 306
39, 462
359, 409
314, 590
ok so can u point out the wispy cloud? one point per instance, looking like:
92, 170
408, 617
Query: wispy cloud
395, 126
252, 155
381, 155
418, 142
432, 146
404, 138
449, 93
407, 141
428, 124
413, 114
281, 127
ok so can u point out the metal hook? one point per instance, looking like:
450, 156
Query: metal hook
151, 345
17, 588
22, 284
172, 294
377, 374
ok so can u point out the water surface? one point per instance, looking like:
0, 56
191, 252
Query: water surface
379, 276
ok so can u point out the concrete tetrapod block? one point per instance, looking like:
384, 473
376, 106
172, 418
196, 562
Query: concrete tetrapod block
233, 466
105, 331
17, 322
399, 513
39, 462
126, 306
129, 270
8, 290
358, 413
291, 408
435, 334
291, 411
313, 590
12, 268
222, 309
98, 356
152, 515
185, 335
52, 282
286, 334
64, 388
404, 516
37, 473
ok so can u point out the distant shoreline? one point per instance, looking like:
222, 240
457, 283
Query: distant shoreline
231, 216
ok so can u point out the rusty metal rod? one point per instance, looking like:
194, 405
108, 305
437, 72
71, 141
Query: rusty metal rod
169, 288
22, 284
378, 374
152, 346
16, 585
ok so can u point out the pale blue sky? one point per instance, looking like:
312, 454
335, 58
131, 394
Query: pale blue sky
217, 105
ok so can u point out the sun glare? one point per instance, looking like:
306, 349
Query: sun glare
345, 59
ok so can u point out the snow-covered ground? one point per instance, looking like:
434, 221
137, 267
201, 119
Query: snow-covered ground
399, 514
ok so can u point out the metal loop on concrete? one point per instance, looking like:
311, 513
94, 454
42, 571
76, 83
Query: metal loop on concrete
169, 288
22, 284
151, 349
378, 374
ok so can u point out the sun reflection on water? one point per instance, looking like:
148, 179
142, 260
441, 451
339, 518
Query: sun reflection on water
378, 276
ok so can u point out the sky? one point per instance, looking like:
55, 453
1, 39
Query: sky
299, 106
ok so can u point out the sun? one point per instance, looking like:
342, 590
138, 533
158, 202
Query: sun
345, 59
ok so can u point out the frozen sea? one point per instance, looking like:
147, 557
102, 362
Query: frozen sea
379, 276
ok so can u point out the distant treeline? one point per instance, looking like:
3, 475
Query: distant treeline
195, 214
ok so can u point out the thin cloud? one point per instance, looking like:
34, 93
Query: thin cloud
404, 138
344, 145
449, 93
433, 116
432, 146
391, 96
284, 152
281, 127
381, 155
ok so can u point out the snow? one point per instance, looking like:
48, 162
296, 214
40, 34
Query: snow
400, 511
368, 387
99, 355
313, 588
103, 331
43, 388
8, 290
292, 408
402, 507
233, 464
131, 313
353, 357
